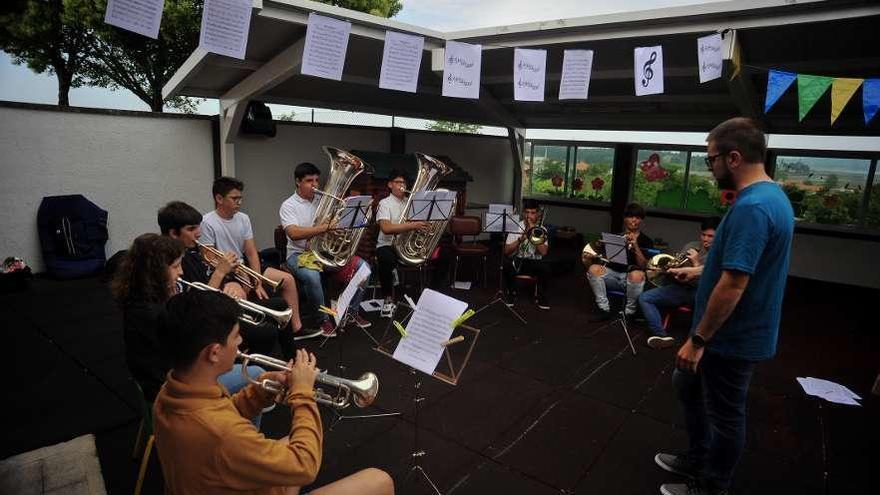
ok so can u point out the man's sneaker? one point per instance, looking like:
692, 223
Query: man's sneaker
388, 309
306, 333
510, 299
677, 464
361, 322
660, 341
692, 487
542, 302
602, 315
328, 330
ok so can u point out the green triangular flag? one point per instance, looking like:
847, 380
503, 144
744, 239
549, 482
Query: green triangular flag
810, 89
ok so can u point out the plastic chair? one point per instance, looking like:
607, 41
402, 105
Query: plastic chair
145, 432
459, 226
531, 280
668, 316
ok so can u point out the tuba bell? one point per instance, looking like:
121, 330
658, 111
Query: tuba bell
335, 248
415, 247
659, 265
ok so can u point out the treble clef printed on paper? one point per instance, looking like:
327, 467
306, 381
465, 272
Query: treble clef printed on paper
647, 71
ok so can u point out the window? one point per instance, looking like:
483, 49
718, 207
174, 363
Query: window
828, 191
872, 213
703, 195
527, 168
659, 179
592, 173
548, 170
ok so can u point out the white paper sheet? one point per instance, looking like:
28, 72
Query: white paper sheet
225, 26
421, 207
498, 208
401, 60
709, 57
577, 66
325, 48
355, 213
615, 248
461, 73
828, 390
648, 70
139, 16
466, 285
529, 74
344, 300
429, 326
495, 222
372, 305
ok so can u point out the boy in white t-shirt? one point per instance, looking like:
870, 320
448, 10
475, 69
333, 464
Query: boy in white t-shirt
388, 214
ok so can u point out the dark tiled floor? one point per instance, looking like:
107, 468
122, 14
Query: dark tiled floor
557, 406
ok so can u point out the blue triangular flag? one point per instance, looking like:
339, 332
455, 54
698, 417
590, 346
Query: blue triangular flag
777, 82
870, 98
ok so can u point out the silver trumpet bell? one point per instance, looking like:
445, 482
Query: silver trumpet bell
362, 391
252, 313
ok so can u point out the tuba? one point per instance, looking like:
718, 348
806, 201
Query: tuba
334, 248
659, 264
415, 247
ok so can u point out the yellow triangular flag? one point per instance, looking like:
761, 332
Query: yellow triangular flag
842, 89
736, 59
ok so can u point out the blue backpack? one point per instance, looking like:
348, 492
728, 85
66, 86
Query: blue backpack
73, 233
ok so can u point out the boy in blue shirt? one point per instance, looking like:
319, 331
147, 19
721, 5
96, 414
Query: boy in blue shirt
736, 314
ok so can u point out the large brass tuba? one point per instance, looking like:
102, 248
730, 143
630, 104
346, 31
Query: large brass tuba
335, 248
415, 246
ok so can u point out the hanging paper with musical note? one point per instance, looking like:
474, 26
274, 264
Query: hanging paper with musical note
529, 71
401, 60
709, 57
576, 68
138, 16
461, 74
225, 26
648, 70
325, 48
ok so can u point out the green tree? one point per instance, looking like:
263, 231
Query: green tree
381, 8
446, 126
41, 34
831, 182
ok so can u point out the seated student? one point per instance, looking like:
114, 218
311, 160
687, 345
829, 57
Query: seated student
204, 441
298, 221
229, 230
524, 258
387, 214
677, 294
629, 277
144, 281
181, 221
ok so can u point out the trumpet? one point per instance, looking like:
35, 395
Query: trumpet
242, 273
362, 391
252, 313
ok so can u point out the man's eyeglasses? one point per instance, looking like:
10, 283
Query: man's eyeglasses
237, 199
710, 159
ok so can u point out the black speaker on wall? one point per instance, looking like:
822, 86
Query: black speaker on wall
258, 120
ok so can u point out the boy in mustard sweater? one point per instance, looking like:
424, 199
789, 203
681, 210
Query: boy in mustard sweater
206, 442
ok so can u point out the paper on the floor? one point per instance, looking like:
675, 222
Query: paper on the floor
371, 305
462, 285
830, 391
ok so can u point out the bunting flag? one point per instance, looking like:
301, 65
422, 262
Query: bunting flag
870, 98
777, 83
842, 89
810, 89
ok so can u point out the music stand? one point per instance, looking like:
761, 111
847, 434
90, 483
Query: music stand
457, 349
621, 317
505, 223
429, 206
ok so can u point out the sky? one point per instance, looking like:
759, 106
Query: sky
18, 83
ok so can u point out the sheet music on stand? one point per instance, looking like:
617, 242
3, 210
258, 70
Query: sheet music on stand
433, 343
355, 212
615, 248
431, 205
501, 219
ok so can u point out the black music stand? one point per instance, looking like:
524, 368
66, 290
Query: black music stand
508, 225
621, 316
429, 211
457, 349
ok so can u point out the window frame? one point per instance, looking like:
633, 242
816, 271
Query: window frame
570, 145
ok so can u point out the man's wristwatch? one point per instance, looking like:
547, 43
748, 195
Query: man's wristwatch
698, 341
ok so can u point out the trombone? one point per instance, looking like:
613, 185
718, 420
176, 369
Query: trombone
242, 272
362, 391
538, 234
252, 313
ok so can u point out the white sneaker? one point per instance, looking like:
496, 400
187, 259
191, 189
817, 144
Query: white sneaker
305, 333
388, 309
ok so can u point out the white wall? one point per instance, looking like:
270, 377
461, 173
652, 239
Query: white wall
266, 166
127, 163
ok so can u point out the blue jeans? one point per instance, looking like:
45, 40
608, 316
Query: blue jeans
669, 296
310, 281
615, 280
714, 403
233, 381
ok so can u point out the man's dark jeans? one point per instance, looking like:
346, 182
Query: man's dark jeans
714, 402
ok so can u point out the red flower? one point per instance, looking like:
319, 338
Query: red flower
652, 170
728, 197
597, 183
831, 201
577, 184
557, 180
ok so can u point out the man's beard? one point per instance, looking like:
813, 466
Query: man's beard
725, 182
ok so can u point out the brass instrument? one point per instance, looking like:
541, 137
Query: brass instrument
362, 391
241, 272
590, 254
415, 246
335, 248
252, 313
537, 235
659, 264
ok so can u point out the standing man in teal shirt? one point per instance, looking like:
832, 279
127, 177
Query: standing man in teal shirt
736, 314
